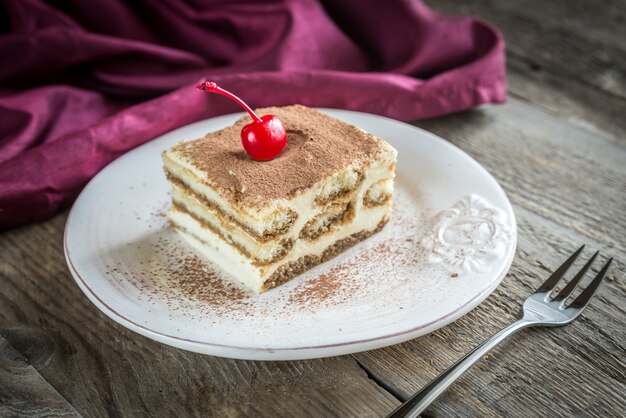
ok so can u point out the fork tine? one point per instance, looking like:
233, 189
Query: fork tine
567, 290
549, 284
583, 299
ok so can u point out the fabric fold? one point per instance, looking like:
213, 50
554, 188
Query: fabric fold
86, 84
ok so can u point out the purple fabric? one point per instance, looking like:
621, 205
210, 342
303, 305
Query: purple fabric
78, 79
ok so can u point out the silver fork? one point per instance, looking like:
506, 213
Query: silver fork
540, 309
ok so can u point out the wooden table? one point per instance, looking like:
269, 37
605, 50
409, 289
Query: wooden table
558, 149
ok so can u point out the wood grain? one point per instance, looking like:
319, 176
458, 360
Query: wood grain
574, 39
568, 57
103, 369
23, 392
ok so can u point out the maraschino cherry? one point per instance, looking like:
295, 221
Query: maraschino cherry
265, 137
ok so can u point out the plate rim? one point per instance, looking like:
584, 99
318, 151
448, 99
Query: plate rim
305, 352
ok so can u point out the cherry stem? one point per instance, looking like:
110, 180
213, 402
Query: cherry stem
212, 87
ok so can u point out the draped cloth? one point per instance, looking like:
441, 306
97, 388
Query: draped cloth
82, 82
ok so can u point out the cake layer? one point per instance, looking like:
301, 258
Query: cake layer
266, 224
303, 253
378, 192
260, 251
337, 213
313, 218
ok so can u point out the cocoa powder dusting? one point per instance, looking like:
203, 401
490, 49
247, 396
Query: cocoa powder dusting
189, 285
316, 290
339, 285
317, 146
198, 281
177, 275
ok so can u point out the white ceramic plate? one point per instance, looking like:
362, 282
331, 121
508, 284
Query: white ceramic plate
450, 242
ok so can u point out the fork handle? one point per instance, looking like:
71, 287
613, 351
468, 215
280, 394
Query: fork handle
416, 404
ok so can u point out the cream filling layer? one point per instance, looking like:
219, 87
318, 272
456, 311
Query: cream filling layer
264, 251
243, 269
279, 213
273, 218
232, 232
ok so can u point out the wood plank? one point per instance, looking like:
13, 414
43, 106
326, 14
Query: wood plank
578, 104
577, 370
572, 38
565, 56
23, 392
103, 369
566, 174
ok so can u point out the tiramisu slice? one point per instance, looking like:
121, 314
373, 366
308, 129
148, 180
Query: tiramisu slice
265, 222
